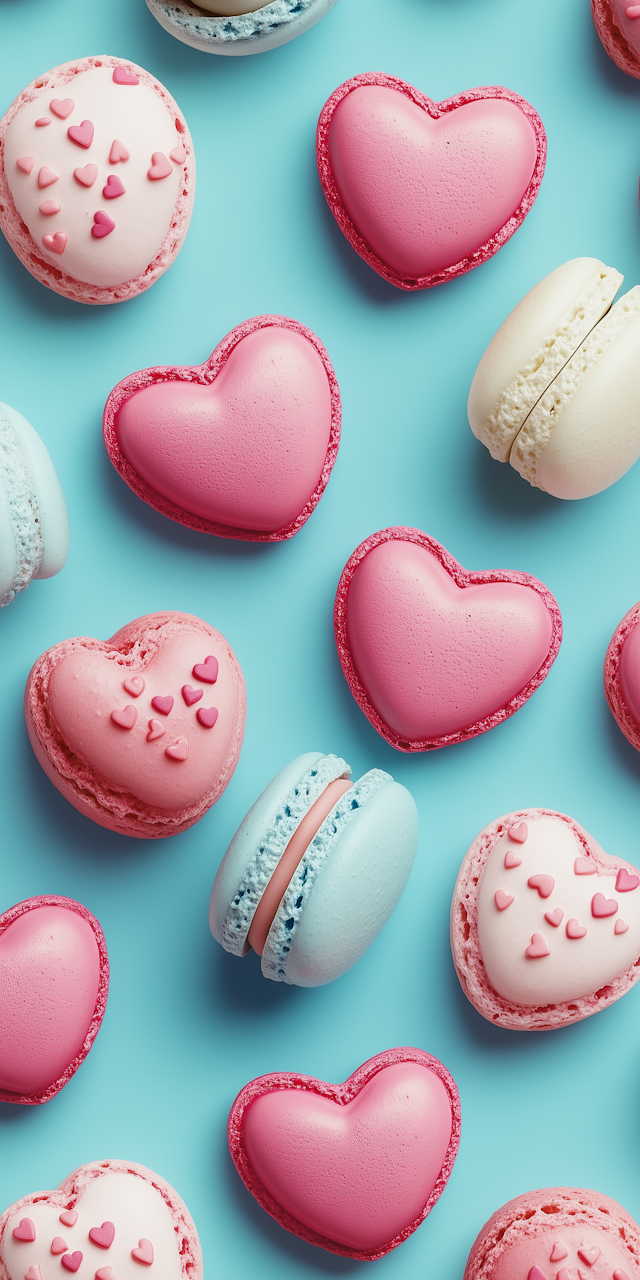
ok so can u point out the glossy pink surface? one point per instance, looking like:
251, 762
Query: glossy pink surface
630, 672
627, 23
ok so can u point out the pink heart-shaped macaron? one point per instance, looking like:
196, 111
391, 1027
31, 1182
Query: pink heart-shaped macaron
54, 977
62, 107
55, 243
352, 1168
81, 134
103, 225
434, 654
426, 190
114, 187
241, 446
86, 175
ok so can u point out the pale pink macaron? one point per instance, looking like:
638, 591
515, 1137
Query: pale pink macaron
141, 732
557, 1233
97, 179
241, 446
545, 926
353, 1168
425, 190
618, 25
54, 979
622, 675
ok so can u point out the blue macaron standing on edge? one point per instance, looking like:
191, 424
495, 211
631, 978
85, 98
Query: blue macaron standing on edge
34, 526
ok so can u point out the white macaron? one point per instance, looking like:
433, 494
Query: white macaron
236, 27
34, 527
315, 870
557, 392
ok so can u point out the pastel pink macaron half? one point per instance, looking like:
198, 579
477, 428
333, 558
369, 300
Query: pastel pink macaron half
142, 732
435, 654
425, 190
241, 446
554, 1234
97, 179
352, 1168
622, 675
54, 980
618, 25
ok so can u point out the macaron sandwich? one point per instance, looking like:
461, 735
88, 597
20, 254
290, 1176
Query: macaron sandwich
34, 527
237, 27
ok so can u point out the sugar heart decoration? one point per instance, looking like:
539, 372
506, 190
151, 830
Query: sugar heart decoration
103, 225
46, 176
69, 1217
58, 1245
191, 695
122, 76
206, 671
178, 750
114, 187
503, 900
518, 832
34, 1273
353, 1168
125, 717
134, 685
241, 446
509, 975
54, 978
432, 653
178, 155
49, 207
118, 152
62, 107
143, 1253
558, 1252
207, 716
25, 163
162, 704
156, 730
105, 1273
55, 243
511, 860
103, 1236
25, 1230
81, 134
426, 190
160, 167
86, 176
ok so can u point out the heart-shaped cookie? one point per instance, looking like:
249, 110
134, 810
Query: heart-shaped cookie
432, 653
104, 754
352, 1168
241, 446
622, 675
132, 1203
424, 190
54, 978
539, 964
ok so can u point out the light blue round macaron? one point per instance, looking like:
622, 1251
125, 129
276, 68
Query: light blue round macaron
266, 28
346, 884
34, 527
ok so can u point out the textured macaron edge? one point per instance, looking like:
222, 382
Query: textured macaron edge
465, 941
267, 28
282, 934
275, 838
17, 233
204, 375
19, 486
435, 110
612, 682
462, 578
612, 38
69, 904
528, 1215
341, 1094
71, 1189
108, 804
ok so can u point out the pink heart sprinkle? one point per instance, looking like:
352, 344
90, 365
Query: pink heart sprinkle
601, 906
118, 152
42, 122
69, 1217
81, 134
558, 1252
71, 1261
589, 1255
503, 900
575, 930
156, 730
206, 671
105, 1273
34, 1272
104, 1235
55, 243
554, 918
134, 685
511, 860
122, 76
48, 207
543, 883
87, 176
536, 1274
518, 832
160, 167
163, 705
632, 11
25, 163
564, 1274
178, 750
62, 107
125, 717
618, 1273
207, 716
620, 926
144, 1252
46, 177
625, 882
583, 867
103, 225
178, 155
538, 947
191, 695
58, 1245
25, 1230
115, 187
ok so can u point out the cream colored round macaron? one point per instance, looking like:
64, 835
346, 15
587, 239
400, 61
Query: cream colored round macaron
557, 392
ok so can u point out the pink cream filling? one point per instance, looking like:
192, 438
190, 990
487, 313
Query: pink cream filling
295, 850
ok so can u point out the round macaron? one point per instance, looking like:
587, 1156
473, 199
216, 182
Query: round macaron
555, 1234
54, 979
97, 179
545, 926
237, 27
315, 870
141, 732
618, 25
34, 526
622, 676
557, 392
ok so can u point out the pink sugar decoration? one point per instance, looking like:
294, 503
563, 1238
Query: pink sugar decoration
114, 187
103, 225
575, 930
25, 163
122, 76
46, 176
49, 206
160, 167
25, 1231
86, 175
62, 107
177, 750
118, 152
207, 716
55, 243
42, 122
125, 717
178, 155
81, 134
538, 947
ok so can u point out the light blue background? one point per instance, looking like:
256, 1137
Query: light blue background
186, 1025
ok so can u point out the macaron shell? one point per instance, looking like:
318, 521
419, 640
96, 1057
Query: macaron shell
619, 33
622, 676
52, 508
255, 31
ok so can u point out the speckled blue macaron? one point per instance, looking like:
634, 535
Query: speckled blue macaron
266, 28
34, 528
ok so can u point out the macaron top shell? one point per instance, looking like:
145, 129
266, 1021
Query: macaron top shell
618, 25
34, 526
622, 675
